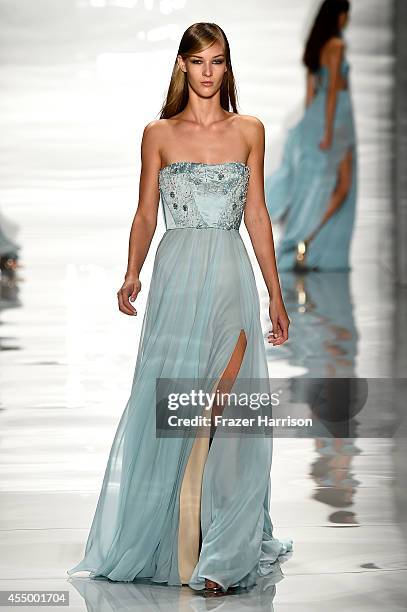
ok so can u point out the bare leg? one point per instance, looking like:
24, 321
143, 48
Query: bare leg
224, 386
229, 374
339, 194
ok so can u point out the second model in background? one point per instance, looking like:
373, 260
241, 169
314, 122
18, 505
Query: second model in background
314, 190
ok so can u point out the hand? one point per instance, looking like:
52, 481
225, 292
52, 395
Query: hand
128, 291
326, 142
280, 322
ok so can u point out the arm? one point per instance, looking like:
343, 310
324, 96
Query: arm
334, 59
310, 88
145, 218
258, 224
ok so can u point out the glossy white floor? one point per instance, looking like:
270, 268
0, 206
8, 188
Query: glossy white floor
77, 92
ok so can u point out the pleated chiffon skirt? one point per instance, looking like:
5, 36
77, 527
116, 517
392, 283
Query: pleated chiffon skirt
177, 510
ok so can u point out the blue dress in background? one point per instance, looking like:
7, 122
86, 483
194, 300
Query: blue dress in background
159, 493
8, 230
298, 192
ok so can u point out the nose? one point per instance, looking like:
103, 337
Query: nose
207, 69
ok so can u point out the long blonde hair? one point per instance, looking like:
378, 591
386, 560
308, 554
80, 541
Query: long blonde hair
195, 39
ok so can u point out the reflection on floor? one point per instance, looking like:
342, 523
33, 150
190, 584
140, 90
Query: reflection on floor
72, 118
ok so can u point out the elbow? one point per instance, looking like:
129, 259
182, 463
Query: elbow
148, 222
332, 92
256, 219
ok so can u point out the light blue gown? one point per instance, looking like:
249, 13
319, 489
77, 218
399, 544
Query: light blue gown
298, 192
202, 294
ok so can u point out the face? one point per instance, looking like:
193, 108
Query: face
343, 20
205, 70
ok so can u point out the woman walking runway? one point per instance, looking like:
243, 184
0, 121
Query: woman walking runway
189, 509
314, 189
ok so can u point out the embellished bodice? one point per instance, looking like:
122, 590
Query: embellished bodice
199, 195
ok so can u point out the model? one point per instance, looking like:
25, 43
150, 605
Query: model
314, 189
185, 509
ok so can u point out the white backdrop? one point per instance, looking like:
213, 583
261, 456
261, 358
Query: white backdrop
80, 79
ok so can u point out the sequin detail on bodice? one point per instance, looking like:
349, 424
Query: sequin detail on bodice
199, 195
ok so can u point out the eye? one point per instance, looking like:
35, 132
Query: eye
200, 61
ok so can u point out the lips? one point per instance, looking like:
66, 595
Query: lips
206, 82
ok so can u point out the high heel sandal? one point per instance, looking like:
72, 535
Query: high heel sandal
212, 589
300, 257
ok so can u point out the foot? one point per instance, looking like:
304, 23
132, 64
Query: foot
300, 254
210, 585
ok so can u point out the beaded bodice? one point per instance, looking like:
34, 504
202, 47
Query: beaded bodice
199, 195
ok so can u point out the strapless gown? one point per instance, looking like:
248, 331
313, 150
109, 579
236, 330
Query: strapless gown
178, 509
298, 192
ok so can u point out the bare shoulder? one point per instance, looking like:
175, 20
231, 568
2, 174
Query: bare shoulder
334, 45
336, 42
250, 122
251, 127
332, 52
253, 132
155, 129
155, 134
